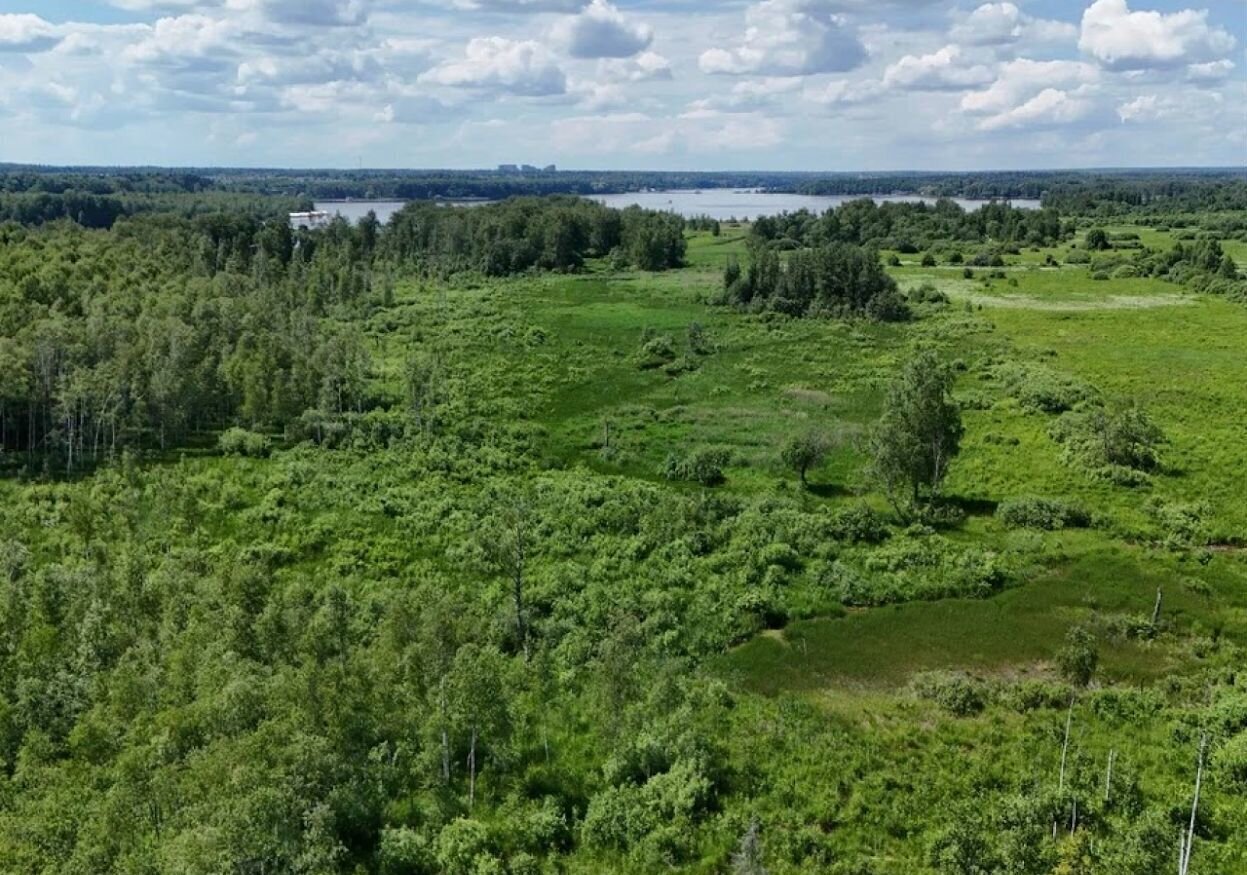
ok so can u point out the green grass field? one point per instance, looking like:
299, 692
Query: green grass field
1176, 354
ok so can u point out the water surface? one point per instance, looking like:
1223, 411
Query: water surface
718, 203
725, 203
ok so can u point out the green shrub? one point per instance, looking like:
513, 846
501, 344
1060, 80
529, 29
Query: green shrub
703, 465
656, 352
1181, 525
1034, 695
1042, 390
957, 694
1119, 445
240, 442
1231, 762
462, 846
859, 524
1078, 657
926, 294
1049, 514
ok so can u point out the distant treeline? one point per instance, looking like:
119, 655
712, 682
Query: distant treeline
1081, 191
1159, 194
911, 227
1067, 189
91, 209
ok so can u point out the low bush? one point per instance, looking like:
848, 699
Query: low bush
1048, 514
957, 694
926, 294
1121, 445
1181, 525
240, 442
703, 465
656, 352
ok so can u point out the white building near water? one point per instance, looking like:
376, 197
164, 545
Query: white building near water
310, 221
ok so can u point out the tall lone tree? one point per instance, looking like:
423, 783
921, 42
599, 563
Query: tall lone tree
804, 451
918, 435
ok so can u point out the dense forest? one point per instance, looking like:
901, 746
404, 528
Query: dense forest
542, 537
170, 327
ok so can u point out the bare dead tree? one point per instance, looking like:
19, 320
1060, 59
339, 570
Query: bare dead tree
1108, 775
1188, 840
1069, 722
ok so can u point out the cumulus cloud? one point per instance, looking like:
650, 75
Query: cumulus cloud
697, 131
165, 6
521, 67
789, 38
944, 70
1124, 40
392, 58
26, 33
1211, 72
843, 92
519, 5
601, 31
1021, 79
1052, 106
998, 24
645, 67
1030, 93
186, 42
748, 96
316, 13
1143, 108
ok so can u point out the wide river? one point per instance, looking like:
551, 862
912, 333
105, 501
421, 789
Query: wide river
718, 203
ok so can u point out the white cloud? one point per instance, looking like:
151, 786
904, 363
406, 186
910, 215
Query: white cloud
26, 33
1211, 72
519, 5
1051, 106
946, 69
1030, 93
1143, 108
645, 67
697, 131
495, 63
789, 38
1124, 40
1020, 80
843, 92
998, 24
316, 13
163, 6
185, 37
1187, 110
601, 31
748, 96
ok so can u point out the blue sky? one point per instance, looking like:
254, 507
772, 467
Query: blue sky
767, 84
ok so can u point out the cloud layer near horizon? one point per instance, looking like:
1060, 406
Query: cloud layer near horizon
784, 84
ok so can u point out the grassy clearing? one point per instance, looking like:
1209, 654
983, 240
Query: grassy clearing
581, 383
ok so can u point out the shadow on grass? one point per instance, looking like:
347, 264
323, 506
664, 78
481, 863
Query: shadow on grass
973, 506
828, 490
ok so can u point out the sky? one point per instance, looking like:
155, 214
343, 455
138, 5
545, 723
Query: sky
831, 85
